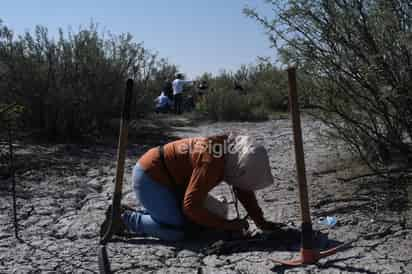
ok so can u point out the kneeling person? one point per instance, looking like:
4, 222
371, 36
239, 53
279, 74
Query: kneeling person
172, 183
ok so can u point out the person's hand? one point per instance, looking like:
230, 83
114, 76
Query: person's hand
270, 226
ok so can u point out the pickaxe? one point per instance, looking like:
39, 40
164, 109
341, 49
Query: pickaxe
115, 219
308, 253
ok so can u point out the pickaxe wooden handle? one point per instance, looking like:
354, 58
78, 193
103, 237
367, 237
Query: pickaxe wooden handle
307, 234
104, 264
308, 253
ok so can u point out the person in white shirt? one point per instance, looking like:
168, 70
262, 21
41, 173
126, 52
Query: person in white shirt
163, 103
177, 85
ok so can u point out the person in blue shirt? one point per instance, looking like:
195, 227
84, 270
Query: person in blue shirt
163, 103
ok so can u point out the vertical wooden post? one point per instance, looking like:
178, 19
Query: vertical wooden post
307, 241
121, 155
103, 259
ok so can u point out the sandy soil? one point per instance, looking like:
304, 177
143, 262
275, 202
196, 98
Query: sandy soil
65, 189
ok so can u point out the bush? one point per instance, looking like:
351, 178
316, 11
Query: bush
73, 86
248, 94
357, 57
229, 105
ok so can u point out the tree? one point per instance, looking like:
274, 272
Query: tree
357, 55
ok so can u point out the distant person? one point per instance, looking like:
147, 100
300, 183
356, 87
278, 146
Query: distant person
177, 85
202, 87
163, 103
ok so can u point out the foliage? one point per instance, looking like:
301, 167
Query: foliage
73, 85
357, 55
9, 121
250, 93
229, 105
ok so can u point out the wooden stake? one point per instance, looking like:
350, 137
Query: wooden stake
300, 160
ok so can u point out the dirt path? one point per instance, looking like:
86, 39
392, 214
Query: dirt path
62, 201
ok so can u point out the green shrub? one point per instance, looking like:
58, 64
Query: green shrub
229, 105
260, 88
354, 58
73, 86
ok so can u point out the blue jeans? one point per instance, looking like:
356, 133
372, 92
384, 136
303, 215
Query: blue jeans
161, 207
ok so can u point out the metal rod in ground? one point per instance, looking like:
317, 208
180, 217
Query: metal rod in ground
307, 242
13, 181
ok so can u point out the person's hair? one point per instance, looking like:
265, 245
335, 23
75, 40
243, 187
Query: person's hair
179, 76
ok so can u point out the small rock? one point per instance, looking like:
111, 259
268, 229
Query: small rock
186, 253
93, 173
213, 261
95, 184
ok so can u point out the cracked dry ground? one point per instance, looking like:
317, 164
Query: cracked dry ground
65, 190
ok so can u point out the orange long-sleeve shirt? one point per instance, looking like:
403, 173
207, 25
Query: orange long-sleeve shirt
197, 166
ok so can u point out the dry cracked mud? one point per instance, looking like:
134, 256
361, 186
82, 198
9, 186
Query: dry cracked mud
65, 189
